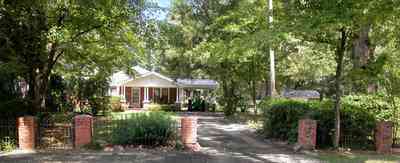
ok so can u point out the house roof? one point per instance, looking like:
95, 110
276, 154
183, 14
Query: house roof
119, 78
197, 83
303, 94
140, 70
153, 79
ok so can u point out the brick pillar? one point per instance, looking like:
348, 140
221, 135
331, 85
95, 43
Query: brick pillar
189, 133
82, 130
26, 132
383, 137
307, 133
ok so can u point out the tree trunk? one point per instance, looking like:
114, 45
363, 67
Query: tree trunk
254, 94
362, 52
271, 85
340, 50
37, 90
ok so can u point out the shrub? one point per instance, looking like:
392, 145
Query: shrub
159, 107
152, 129
282, 116
7, 144
93, 145
116, 106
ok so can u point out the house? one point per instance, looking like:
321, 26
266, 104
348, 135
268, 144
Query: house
152, 87
302, 94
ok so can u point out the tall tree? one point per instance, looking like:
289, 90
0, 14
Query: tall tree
333, 23
37, 35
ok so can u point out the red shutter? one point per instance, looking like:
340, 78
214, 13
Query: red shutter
151, 93
141, 96
128, 93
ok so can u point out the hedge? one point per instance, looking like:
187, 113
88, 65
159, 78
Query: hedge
359, 115
151, 129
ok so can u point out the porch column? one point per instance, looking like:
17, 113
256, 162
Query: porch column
177, 95
124, 93
146, 95
168, 95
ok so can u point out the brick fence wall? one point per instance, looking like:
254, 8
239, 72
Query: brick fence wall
27, 129
189, 133
83, 125
383, 137
307, 133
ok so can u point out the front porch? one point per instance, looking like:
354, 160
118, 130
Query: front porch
138, 97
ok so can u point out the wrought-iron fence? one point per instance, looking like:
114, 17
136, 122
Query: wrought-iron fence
356, 142
54, 135
123, 131
396, 135
8, 132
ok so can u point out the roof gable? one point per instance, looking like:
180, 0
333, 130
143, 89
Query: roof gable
151, 80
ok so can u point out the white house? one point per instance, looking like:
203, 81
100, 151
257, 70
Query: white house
149, 86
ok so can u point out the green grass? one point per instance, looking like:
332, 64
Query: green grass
363, 157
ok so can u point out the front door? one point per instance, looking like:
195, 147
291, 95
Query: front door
136, 97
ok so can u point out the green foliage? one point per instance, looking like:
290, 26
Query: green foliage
70, 38
93, 145
160, 107
152, 128
281, 117
115, 102
7, 144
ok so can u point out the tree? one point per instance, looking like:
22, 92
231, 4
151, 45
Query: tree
37, 36
333, 23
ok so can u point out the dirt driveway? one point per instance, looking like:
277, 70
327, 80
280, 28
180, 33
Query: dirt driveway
221, 141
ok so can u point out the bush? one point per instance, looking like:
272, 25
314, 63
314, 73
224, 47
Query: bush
152, 129
159, 107
116, 104
282, 116
7, 144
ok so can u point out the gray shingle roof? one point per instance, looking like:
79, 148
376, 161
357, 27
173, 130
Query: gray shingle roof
197, 83
306, 94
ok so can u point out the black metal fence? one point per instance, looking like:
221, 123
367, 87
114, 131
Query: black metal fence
396, 135
356, 142
54, 135
8, 133
131, 131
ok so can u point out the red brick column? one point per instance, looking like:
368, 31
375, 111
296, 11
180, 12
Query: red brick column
26, 132
82, 130
189, 133
383, 137
307, 133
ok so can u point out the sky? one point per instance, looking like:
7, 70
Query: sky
163, 4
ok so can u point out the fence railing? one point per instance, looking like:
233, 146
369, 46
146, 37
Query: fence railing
8, 132
53, 135
356, 142
130, 131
